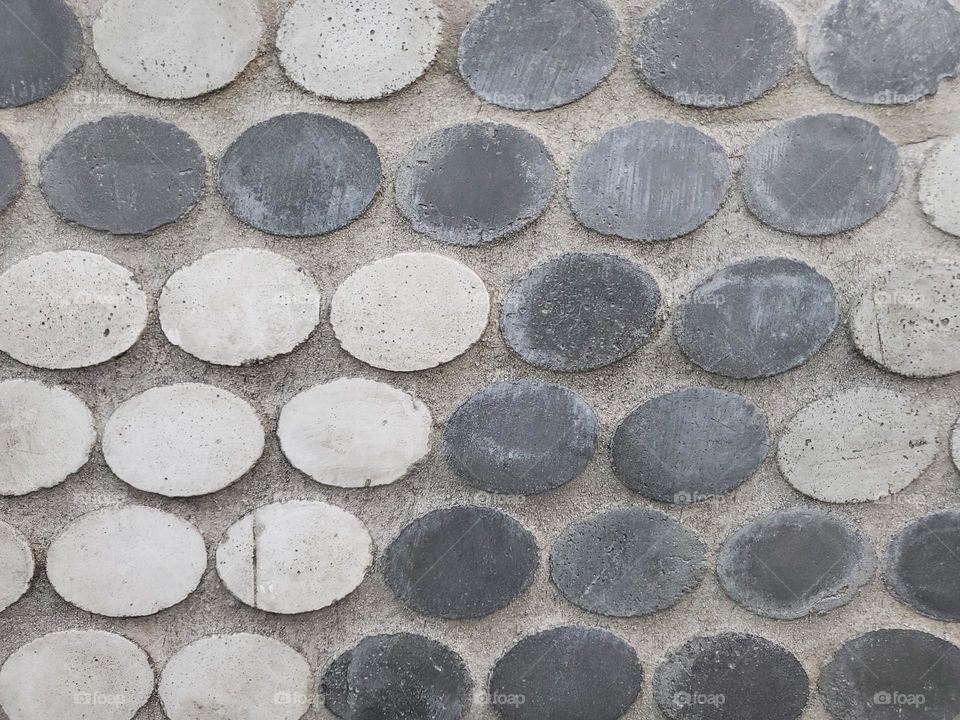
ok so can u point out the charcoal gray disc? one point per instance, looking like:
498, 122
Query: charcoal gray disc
10, 171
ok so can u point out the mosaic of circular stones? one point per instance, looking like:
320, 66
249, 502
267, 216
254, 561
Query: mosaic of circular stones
10, 172
940, 186
16, 565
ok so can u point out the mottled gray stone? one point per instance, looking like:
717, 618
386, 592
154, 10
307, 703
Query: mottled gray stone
10, 170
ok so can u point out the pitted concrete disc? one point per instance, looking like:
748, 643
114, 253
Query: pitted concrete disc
820, 174
521, 438
649, 180
475, 183
690, 445
354, 433
715, 53
11, 169
69, 309
857, 445
176, 48
884, 53
523, 55
300, 174
239, 306
955, 445
940, 186
124, 174
757, 318
580, 311
16, 565
358, 49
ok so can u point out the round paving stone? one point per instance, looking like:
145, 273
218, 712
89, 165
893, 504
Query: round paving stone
354, 433
293, 557
11, 169
568, 673
857, 445
16, 565
757, 318
690, 445
461, 562
940, 186
412, 311
580, 311
955, 445
300, 174
239, 306
397, 677
519, 55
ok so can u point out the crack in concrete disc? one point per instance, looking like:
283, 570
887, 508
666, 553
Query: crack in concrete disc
16, 565
11, 170
940, 186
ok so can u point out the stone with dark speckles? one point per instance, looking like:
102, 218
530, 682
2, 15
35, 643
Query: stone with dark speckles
10, 172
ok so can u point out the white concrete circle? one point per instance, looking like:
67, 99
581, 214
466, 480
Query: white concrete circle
955, 445
182, 440
16, 565
412, 311
940, 186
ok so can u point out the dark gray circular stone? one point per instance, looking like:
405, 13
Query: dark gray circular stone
796, 562
732, 676
715, 53
649, 180
580, 311
757, 318
566, 673
885, 53
300, 174
627, 562
397, 677
461, 562
520, 438
123, 174
10, 170
521, 55
820, 174
475, 183
690, 445
893, 675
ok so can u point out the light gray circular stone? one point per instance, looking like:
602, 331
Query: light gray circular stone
16, 565
940, 186
126, 561
11, 170
955, 445
857, 445
650, 180
69, 309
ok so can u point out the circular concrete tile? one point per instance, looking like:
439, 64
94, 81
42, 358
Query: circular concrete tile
520, 55
940, 186
411, 311
580, 311
358, 49
757, 318
11, 170
461, 562
176, 48
569, 672
46, 435
69, 309
16, 565
731, 676
649, 180
354, 433
715, 53
820, 174
857, 445
797, 562
236, 676
76, 675
300, 174
239, 306
955, 445
182, 440
396, 677
627, 562
294, 557
690, 445
520, 438
475, 183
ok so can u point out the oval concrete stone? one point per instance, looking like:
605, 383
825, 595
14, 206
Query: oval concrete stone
300, 174
796, 562
126, 561
461, 562
955, 445
354, 433
757, 318
475, 183
940, 186
858, 445
69, 309
520, 55
11, 170
294, 557
820, 174
690, 445
580, 311
411, 311
239, 306
16, 565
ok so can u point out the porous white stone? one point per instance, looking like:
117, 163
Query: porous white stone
16, 565
940, 186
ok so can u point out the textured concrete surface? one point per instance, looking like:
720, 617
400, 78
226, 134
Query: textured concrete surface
11, 170
16, 565
940, 186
